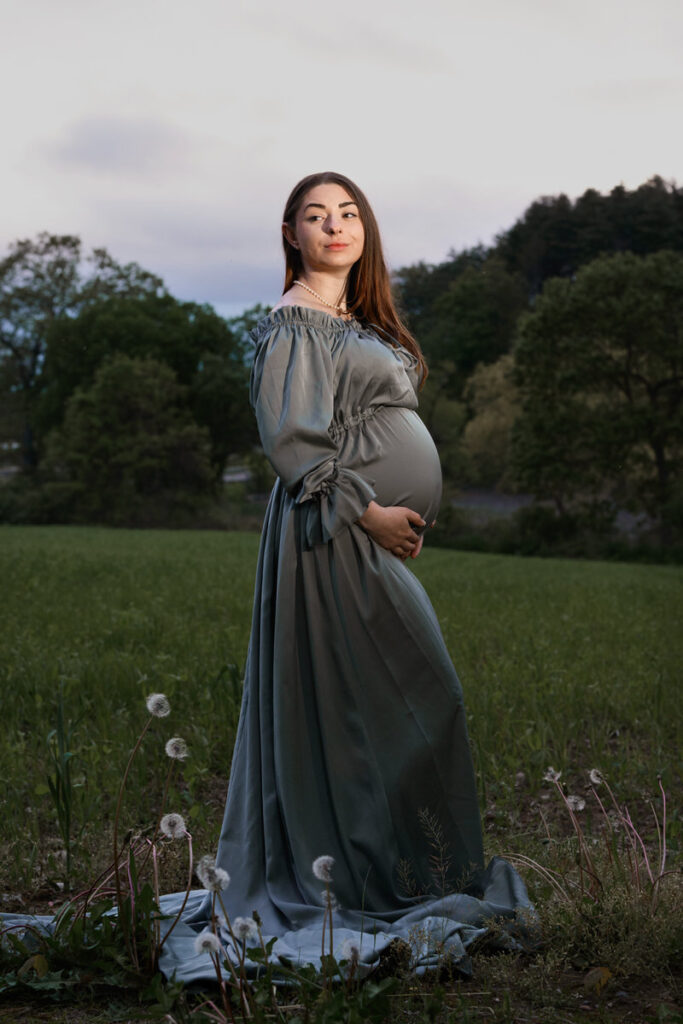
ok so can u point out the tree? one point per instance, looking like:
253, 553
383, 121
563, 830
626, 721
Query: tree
474, 319
493, 399
444, 417
418, 287
191, 339
599, 364
128, 447
41, 282
554, 236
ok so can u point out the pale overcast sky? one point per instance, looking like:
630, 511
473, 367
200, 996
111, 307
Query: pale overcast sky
171, 132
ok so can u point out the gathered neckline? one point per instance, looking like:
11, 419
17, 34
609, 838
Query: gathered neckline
318, 318
308, 315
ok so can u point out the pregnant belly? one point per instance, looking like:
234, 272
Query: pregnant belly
396, 451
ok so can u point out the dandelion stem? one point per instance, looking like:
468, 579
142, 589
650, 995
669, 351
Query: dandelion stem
154, 952
637, 836
117, 814
187, 892
238, 981
331, 923
132, 889
583, 848
222, 986
661, 868
164, 797
544, 872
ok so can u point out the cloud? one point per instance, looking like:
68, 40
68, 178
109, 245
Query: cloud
122, 145
363, 42
624, 93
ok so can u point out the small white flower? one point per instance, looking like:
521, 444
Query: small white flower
214, 879
577, 803
245, 928
350, 951
173, 826
207, 942
595, 776
322, 868
157, 705
176, 748
551, 775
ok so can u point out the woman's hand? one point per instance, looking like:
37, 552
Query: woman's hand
392, 528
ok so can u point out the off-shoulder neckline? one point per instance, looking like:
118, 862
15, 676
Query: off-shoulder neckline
326, 321
307, 315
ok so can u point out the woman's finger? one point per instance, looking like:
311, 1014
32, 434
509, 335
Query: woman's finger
415, 518
417, 549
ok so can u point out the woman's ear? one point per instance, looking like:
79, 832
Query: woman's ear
290, 236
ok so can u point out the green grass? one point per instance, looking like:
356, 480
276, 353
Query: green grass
574, 664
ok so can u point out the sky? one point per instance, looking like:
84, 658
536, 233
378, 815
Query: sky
172, 132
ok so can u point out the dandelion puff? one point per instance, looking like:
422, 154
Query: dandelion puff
157, 705
173, 826
214, 879
329, 899
576, 803
322, 868
176, 748
596, 777
207, 942
245, 928
551, 775
350, 951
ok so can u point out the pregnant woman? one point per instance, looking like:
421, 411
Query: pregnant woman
352, 736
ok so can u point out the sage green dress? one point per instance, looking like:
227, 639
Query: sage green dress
352, 736
352, 740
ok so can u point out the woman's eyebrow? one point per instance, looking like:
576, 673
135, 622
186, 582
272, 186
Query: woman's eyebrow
321, 206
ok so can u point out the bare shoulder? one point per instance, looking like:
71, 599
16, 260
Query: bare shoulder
285, 300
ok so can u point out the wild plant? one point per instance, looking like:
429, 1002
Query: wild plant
61, 784
616, 903
114, 929
120, 909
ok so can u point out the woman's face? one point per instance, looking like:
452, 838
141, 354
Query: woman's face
328, 230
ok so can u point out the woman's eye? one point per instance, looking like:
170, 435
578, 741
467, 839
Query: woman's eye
350, 213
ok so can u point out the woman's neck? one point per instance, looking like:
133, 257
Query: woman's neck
328, 291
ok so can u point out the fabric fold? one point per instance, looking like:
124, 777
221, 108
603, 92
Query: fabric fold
292, 393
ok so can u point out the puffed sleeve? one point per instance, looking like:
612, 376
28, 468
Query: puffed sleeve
292, 392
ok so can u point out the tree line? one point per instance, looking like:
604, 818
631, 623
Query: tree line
556, 367
556, 358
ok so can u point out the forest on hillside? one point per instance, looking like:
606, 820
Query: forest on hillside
556, 370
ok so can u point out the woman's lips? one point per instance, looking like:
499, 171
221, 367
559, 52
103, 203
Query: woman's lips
337, 245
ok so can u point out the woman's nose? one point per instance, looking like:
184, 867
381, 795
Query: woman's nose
333, 225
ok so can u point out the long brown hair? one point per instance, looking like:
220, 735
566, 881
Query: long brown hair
368, 292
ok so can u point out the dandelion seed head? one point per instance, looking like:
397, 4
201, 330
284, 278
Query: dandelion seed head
207, 942
595, 776
350, 950
245, 928
176, 748
322, 868
214, 879
551, 775
158, 705
329, 899
173, 826
577, 803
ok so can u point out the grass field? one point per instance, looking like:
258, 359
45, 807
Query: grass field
570, 664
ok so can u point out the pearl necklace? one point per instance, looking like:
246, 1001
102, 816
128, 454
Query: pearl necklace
339, 309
